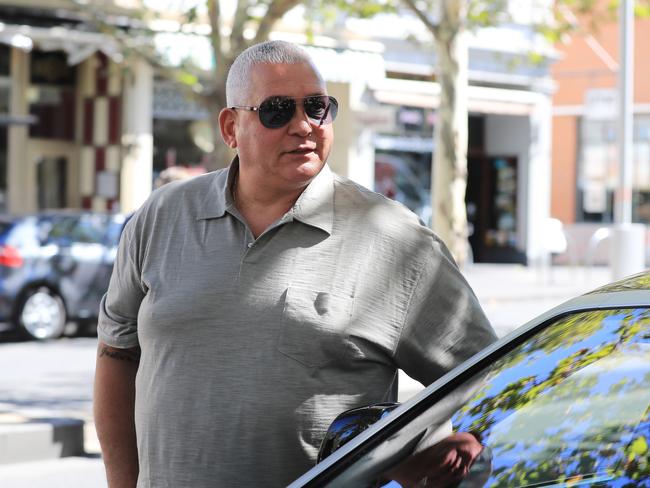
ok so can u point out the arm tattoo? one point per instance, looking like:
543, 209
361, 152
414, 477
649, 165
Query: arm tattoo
131, 355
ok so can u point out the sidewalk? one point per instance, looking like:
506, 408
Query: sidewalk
511, 295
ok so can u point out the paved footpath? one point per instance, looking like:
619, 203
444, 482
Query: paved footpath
510, 294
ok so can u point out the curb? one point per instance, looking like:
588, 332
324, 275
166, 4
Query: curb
41, 439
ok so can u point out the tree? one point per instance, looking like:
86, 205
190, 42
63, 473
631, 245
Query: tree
449, 166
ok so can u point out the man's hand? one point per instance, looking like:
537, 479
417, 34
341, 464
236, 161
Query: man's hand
443, 464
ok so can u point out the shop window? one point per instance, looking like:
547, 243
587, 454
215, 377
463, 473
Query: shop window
179, 143
414, 120
4, 60
51, 180
598, 171
405, 177
52, 96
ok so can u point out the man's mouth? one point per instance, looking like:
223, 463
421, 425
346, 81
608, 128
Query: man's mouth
302, 150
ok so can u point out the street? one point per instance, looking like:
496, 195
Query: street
46, 380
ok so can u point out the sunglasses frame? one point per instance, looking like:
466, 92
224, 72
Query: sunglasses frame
260, 110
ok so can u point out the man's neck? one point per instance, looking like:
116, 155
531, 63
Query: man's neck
261, 207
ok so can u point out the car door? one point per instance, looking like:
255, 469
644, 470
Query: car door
563, 403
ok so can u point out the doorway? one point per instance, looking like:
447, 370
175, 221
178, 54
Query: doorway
52, 182
491, 200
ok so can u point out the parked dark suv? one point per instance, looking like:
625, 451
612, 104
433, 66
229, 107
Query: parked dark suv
54, 269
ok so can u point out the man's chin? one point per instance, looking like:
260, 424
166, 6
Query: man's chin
306, 171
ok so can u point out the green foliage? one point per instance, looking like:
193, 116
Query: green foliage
642, 9
187, 78
362, 8
191, 15
481, 13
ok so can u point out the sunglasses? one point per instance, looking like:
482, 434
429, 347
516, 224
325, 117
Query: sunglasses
276, 112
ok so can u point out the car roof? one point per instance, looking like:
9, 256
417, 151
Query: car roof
65, 212
630, 292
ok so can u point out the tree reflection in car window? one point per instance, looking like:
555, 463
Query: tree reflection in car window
569, 407
639, 281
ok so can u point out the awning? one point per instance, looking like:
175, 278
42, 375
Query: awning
481, 99
346, 65
78, 45
403, 143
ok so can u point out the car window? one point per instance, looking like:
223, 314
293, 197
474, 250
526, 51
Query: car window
115, 226
4, 227
567, 407
570, 405
57, 229
89, 229
23, 234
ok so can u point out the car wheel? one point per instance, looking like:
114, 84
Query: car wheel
42, 314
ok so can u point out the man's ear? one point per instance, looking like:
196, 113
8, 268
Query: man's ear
227, 125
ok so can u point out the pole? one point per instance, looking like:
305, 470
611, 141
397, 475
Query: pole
623, 201
628, 243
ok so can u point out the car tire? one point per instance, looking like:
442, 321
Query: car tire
42, 314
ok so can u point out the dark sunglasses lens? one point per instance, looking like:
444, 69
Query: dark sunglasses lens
321, 109
276, 112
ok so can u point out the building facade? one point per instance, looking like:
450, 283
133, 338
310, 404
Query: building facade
585, 154
75, 117
94, 135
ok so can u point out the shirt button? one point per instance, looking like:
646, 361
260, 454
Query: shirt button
250, 244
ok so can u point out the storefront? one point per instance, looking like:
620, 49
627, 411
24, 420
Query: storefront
508, 166
75, 121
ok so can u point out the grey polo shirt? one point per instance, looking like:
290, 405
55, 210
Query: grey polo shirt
251, 347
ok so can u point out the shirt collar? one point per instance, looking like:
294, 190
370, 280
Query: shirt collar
219, 198
315, 206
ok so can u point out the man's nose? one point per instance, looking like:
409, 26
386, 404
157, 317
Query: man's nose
300, 123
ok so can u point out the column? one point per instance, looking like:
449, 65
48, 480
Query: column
352, 153
21, 172
137, 137
538, 181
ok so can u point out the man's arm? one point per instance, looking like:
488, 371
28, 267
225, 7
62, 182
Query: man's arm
114, 406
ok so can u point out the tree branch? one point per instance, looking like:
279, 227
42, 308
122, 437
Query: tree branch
431, 27
276, 10
237, 40
214, 15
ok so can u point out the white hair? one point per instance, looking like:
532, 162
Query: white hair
269, 52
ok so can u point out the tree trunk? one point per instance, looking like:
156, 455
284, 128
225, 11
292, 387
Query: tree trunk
449, 172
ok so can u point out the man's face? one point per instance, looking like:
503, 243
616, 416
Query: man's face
291, 156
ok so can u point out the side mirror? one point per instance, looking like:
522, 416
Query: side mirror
350, 424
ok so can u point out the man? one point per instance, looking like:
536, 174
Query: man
249, 306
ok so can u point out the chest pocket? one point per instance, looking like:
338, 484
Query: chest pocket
315, 326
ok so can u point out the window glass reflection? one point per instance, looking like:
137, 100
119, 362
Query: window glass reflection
570, 406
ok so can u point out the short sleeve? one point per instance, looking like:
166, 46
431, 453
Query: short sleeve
118, 310
444, 322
